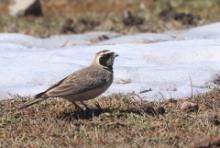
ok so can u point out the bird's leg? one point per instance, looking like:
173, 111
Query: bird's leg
77, 106
97, 105
84, 104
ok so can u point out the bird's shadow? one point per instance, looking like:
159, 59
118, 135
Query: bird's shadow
94, 112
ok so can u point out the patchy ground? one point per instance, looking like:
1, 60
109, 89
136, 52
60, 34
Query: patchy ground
118, 121
74, 16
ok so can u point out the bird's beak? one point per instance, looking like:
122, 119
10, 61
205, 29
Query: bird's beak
115, 55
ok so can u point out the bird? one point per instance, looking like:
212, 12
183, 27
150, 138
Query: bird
82, 85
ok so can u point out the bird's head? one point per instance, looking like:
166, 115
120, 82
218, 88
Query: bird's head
105, 58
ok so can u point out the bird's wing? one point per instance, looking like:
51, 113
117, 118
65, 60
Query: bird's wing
78, 82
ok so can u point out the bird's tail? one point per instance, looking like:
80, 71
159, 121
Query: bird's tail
37, 99
40, 95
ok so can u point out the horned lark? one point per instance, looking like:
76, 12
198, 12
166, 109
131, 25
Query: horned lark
83, 84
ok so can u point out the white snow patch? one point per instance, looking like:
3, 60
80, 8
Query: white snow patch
171, 64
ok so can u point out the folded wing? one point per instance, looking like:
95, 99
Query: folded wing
78, 82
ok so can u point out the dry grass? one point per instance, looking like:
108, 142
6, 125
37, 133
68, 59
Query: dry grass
122, 121
99, 15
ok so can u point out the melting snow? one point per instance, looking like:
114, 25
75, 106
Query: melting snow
170, 64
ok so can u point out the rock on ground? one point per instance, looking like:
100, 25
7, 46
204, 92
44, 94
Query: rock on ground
25, 7
189, 106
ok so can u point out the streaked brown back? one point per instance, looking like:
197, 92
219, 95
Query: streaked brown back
81, 81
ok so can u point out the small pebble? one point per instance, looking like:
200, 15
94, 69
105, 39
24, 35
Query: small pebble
189, 106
